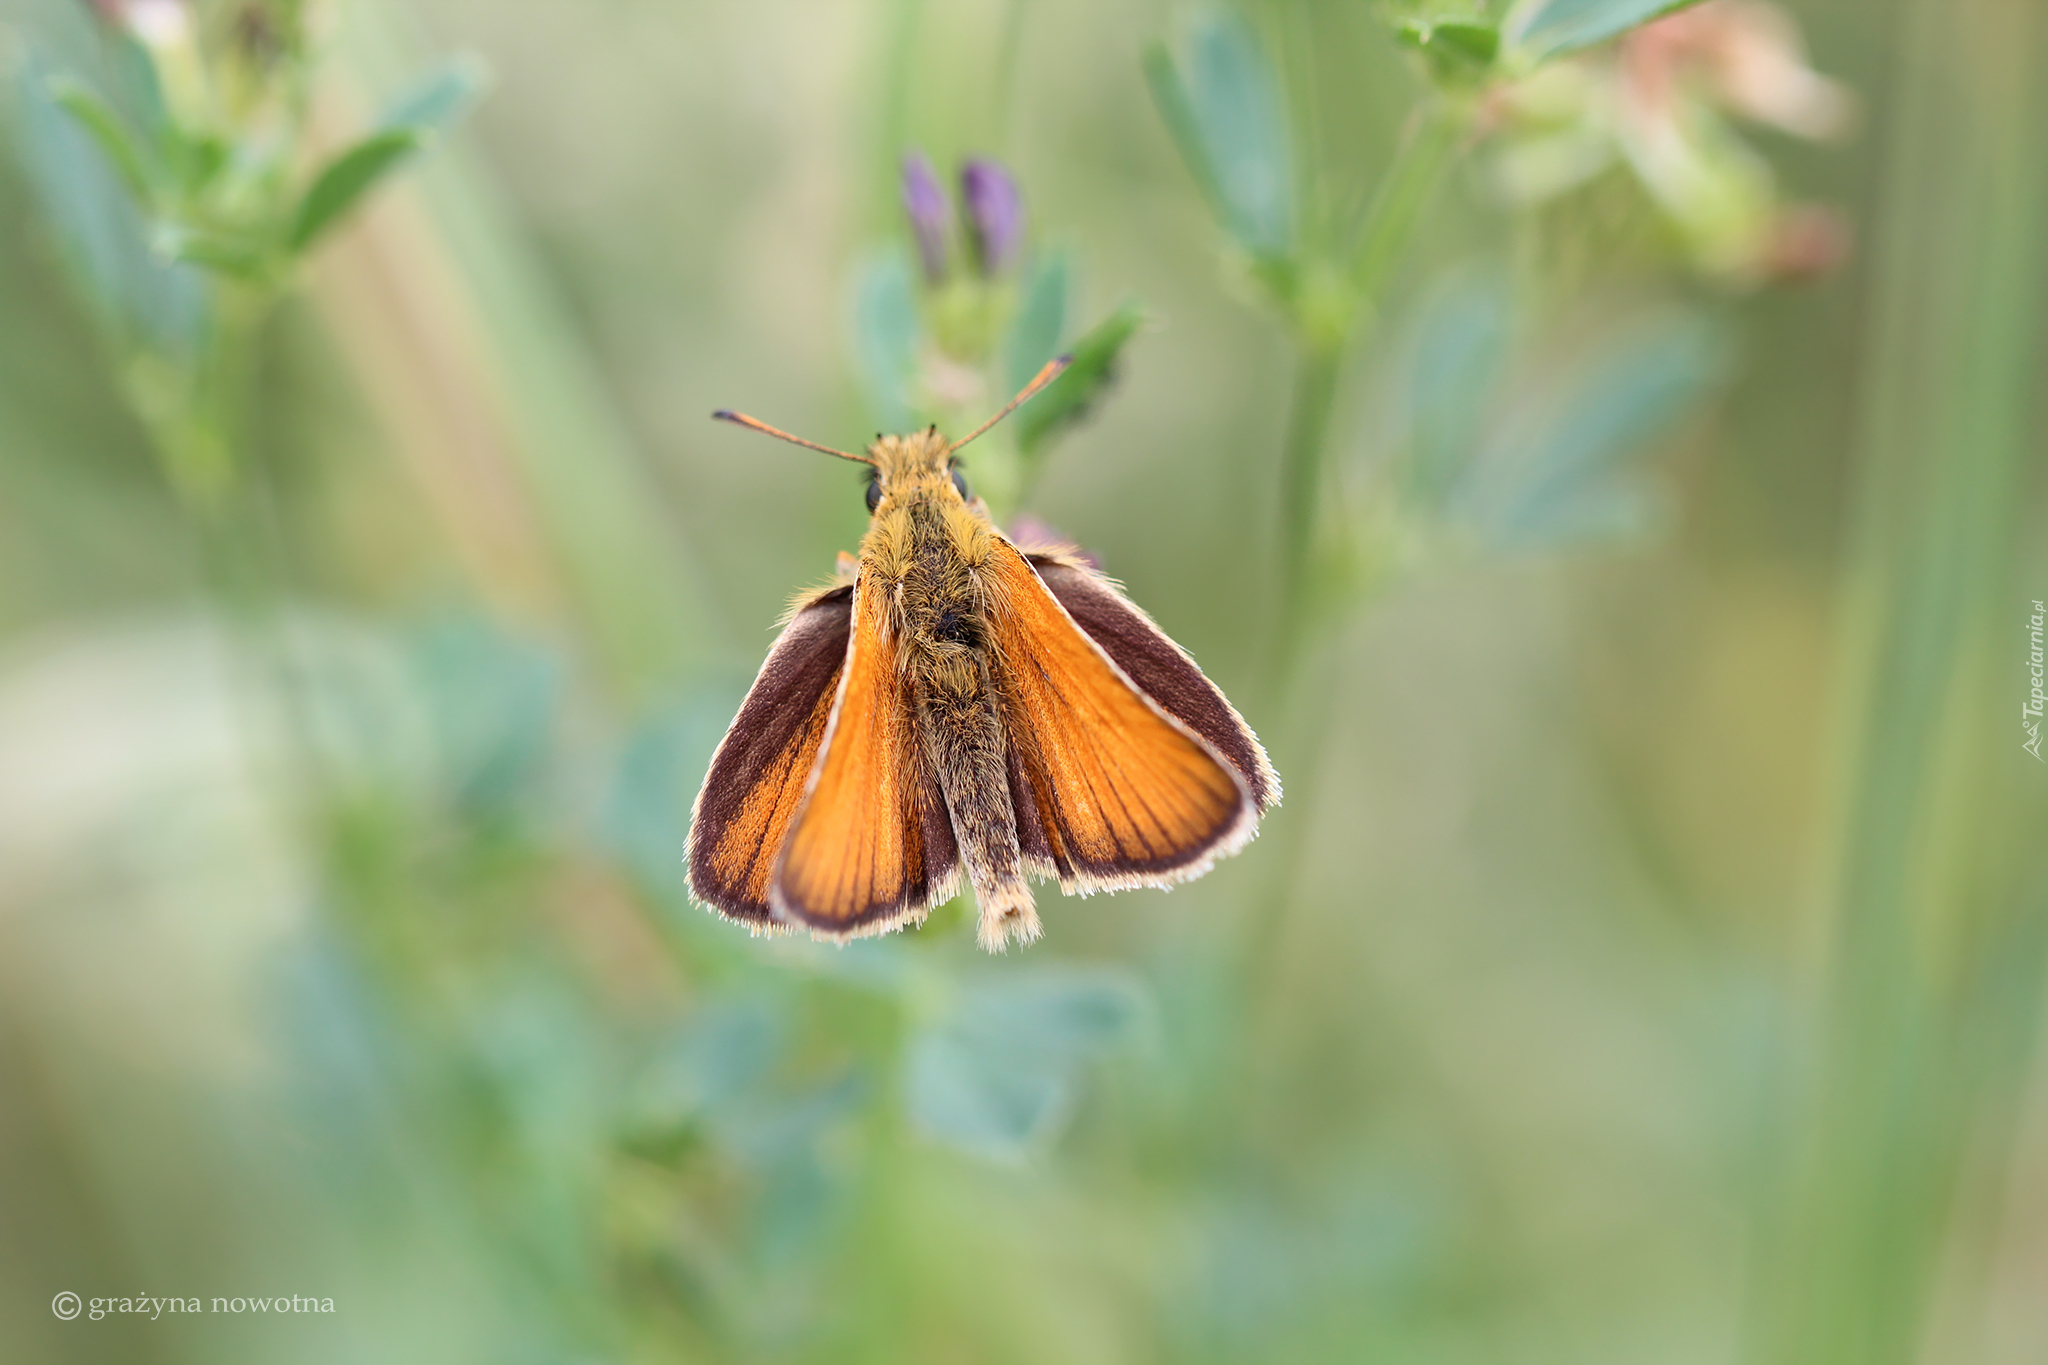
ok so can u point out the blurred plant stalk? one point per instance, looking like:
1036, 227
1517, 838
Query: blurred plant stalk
1939, 933
238, 168
474, 369
185, 191
396, 306
1228, 108
1559, 91
203, 141
1647, 89
1247, 130
1328, 325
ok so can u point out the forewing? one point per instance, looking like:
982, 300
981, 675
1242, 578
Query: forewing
1160, 668
756, 782
1110, 790
872, 845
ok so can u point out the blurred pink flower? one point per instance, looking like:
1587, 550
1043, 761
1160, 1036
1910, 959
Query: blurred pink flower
156, 23
1806, 242
1751, 60
1665, 101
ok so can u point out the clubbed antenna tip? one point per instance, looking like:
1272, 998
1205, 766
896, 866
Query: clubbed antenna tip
1052, 370
740, 419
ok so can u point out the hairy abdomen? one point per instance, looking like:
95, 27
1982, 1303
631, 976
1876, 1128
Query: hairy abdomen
963, 735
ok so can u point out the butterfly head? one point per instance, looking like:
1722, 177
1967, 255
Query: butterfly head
920, 466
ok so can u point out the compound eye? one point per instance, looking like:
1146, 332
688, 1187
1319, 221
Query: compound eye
960, 486
874, 494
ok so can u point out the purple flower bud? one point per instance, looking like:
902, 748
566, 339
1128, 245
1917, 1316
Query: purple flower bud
995, 214
925, 204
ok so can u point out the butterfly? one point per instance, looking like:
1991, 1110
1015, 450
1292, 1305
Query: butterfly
956, 704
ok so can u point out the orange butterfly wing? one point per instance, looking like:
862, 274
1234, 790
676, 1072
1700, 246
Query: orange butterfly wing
750, 796
1109, 790
872, 846
1161, 669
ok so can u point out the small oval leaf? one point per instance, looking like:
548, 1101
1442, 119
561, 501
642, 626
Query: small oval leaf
1557, 470
442, 97
107, 129
1068, 399
343, 182
1223, 107
998, 1074
1556, 27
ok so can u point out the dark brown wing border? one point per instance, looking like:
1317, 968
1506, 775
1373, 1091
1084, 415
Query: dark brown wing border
1160, 668
871, 848
1115, 829
758, 774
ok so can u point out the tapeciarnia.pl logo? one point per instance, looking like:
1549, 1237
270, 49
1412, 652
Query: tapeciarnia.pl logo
2030, 714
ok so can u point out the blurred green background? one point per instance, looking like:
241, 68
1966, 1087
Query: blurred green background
1601, 462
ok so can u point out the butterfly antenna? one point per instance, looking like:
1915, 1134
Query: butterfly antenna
1054, 368
740, 419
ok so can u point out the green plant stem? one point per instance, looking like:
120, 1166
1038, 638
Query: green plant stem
1301, 481
197, 419
1304, 680
203, 434
1382, 240
633, 590
1433, 135
202, 429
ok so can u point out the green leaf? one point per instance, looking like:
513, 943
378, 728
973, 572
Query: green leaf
493, 701
1224, 110
726, 1049
1068, 399
1556, 27
998, 1074
343, 182
198, 160
775, 1127
109, 132
216, 251
441, 98
1454, 366
98, 228
1476, 43
1556, 471
408, 125
659, 766
1455, 47
1170, 97
1040, 322
133, 83
971, 1098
